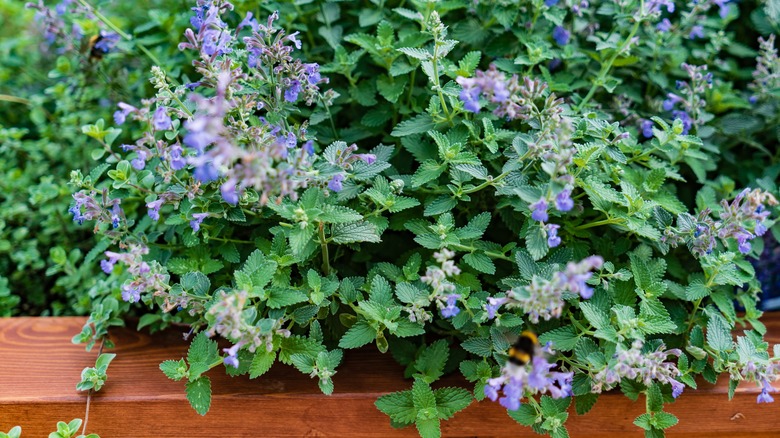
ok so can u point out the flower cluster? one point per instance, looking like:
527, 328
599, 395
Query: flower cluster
443, 289
762, 373
524, 381
690, 97
632, 364
88, 208
742, 220
227, 318
513, 99
543, 299
766, 77
146, 278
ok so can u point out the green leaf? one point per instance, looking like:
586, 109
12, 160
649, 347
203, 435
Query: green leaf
355, 232
431, 362
416, 125
480, 346
336, 214
358, 335
536, 242
718, 334
664, 420
202, 353
283, 297
398, 406
261, 363
562, 338
424, 400
428, 171
451, 400
196, 282
429, 428
415, 53
174, 369
480, 262
199, 394
655, 402
526, 415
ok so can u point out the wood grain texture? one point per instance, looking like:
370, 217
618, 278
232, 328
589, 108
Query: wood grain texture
40, 367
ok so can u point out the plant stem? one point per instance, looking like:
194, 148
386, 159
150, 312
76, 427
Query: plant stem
605, 68
599, 223
324, 246
14, 99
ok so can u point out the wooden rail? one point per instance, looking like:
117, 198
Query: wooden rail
39, 368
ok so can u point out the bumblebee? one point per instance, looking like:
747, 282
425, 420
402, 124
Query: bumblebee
100, 44
524, 348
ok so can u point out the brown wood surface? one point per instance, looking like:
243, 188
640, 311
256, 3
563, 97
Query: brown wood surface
39, 368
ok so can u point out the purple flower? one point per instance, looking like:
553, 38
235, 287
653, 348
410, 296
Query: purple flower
107, 265
206, 173
228, 191
335, 183
723, 8
647, 128
197, 220
490, 391
121, 114
291, 94
177, 161
313, 73
161, 119
551, 3
248, 21
753, 99
677, 388
139, 162
131, 294
671, 101
563, 201
232, 355
664, 26
451, 309
561, 35
116, 212
696, 32
154, 209
539, 210
296, 41
308, 147
764, 397
552, 235
470, 99
686, 120
492, 307
742, 239
760, 228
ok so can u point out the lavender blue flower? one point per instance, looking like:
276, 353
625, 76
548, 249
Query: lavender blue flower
563, 201
107, 41
124, 110
228, 191
539, 210
161, 119
131, 294
232, 355
336, 183
197, 220
647, 128
451, 310
696, 32
553, 239
291, 94
153, 209
139, 162
561, 35
664, 26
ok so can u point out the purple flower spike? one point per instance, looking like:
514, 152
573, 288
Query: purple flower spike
677, 388
131, 294
647, 128
492, 307
664, 26
228, 191
121, 114
232, 355
291, 94
154, 209
451, 309
696, 32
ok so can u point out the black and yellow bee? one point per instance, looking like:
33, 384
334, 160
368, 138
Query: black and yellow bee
100, 44
524, 348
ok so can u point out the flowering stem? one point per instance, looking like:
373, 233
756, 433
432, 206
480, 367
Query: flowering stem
492, 254
330, 116
324, 246
605, 68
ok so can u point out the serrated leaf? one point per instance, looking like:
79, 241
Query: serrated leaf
451, 400
355, 232
261, 363
398, 406
431, 362
358, 335
563, 338
480, 262
480, 346
428, 171
416, 125
199, 394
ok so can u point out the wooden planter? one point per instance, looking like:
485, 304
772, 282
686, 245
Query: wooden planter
39, 368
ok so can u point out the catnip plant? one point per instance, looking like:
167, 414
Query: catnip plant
435, 179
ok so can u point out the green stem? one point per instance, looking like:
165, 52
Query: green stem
324, 246
492, 254
605, 68
14, 99
599, 223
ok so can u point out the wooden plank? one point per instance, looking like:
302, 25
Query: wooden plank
40, 367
